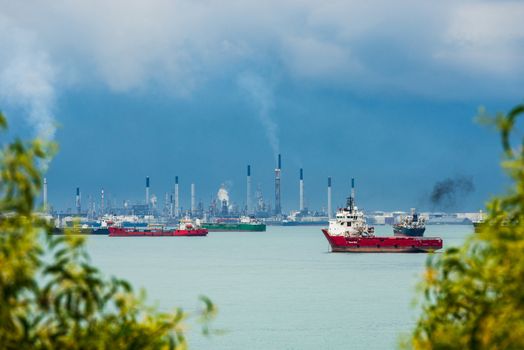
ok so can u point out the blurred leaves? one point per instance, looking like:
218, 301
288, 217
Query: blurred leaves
51, 297
473, 296
3, 121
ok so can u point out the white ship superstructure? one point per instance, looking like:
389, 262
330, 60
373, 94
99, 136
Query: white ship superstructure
350, 221
412, 221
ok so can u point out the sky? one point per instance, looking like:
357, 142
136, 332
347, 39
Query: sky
386, 92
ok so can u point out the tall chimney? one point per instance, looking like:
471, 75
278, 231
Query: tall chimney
177, 207
147, 191
171, 212
351, 199
301, 184
166, 204
78, 204
90, 206
45, 195
248, 191
193, 200
102, 204
278, 207
330, 210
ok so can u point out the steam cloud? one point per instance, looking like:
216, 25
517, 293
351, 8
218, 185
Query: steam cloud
166, 43
447, 192
153, 200
223, 194
262, 97
27, 80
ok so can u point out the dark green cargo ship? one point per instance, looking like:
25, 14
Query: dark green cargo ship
244, 225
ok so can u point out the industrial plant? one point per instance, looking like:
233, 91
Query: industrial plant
220, 208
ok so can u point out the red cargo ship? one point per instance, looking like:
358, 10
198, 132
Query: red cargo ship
372, 244
186, 229
350, 233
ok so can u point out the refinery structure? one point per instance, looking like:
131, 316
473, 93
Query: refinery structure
221, 208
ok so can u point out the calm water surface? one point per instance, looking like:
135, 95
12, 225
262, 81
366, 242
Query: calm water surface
279, 289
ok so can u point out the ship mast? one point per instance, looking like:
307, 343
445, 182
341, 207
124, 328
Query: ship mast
351, 199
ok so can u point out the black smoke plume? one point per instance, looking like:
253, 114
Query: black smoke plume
448, 192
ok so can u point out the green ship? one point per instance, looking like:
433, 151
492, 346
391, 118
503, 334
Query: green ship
245, 224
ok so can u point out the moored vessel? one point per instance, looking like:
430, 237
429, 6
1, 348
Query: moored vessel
411, 225
349, 232
244, 224
186, 228
374, 244
82, 229
305, 218
75, 230
478, 223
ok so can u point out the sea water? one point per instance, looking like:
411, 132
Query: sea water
280, 289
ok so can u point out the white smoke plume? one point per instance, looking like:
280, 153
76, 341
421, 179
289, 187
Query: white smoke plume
223, 194
27, 79
261, 95
153, 201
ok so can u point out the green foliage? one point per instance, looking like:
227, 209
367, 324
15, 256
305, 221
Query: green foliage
51, 297
473, 296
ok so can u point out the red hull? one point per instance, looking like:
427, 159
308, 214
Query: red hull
383, 244
133, 232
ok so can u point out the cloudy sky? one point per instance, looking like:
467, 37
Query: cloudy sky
380, 90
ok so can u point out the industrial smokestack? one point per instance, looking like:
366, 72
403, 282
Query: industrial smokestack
167, 205
90, 207
301, 184
147, 191
278, 207
171, 209
45, 195
176, 197
329, 199
102, 204
193, 200
225, 210
78, 204
351, 199
248, 191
